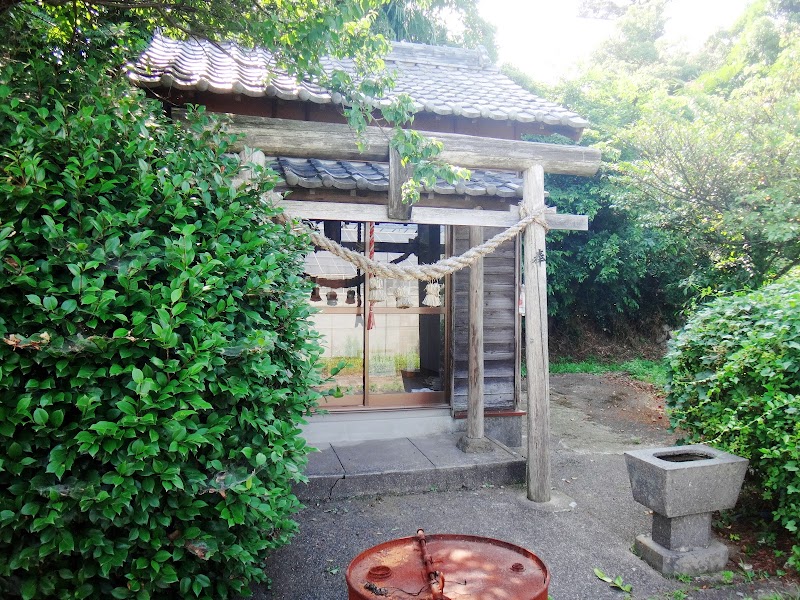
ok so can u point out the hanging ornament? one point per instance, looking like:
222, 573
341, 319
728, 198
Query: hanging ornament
332, 298
432, 295
403, 296
315, 297
376, 291
351, 297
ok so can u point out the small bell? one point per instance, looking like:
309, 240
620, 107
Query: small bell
315, 297
351, 297
332, 298
376, 291
403, 297
432, 295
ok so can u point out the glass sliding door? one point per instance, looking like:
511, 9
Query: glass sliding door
338, 296
395, 358
343, 341
402, 371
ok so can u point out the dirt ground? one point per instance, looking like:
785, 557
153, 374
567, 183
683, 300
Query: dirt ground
606, 413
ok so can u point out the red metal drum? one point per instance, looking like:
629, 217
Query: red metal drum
447, 567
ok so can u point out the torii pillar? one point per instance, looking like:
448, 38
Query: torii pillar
537, 360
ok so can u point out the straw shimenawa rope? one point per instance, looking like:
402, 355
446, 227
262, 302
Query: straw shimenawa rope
429, 272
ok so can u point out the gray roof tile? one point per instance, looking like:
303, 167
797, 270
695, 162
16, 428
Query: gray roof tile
440, 80
312, 173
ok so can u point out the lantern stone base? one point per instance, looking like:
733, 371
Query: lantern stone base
683, 485
682, 533
691, 562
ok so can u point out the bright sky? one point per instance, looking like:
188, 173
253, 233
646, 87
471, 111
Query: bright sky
545, 38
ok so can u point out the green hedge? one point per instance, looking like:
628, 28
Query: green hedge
735, 383
156, 357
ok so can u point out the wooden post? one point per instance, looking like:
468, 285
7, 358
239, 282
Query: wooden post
398, 175
475, 391
536, 346
474, 440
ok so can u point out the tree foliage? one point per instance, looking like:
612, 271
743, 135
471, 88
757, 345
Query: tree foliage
296, 32
438, 22
698, 191
718, 163
613, 271
637, 33
619, 273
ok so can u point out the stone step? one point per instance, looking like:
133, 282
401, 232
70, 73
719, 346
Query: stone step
406, 465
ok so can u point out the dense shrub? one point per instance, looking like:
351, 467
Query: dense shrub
156, 356
735, 383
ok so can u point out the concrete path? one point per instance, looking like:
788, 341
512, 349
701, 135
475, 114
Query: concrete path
365, 494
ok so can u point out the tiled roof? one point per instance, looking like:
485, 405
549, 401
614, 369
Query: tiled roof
312, 173
445, 81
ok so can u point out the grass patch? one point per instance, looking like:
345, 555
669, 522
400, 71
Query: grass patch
650, 371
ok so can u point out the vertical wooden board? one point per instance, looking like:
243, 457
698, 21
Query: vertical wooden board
491, 402
450, 322
398, 175
501, 372
459, 290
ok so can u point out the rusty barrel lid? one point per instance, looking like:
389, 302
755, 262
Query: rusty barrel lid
447, 567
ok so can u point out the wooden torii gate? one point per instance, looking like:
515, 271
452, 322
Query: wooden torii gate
303, 139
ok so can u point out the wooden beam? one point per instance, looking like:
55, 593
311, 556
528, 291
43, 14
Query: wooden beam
423, 215
536, 345
333, 141
398, 175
